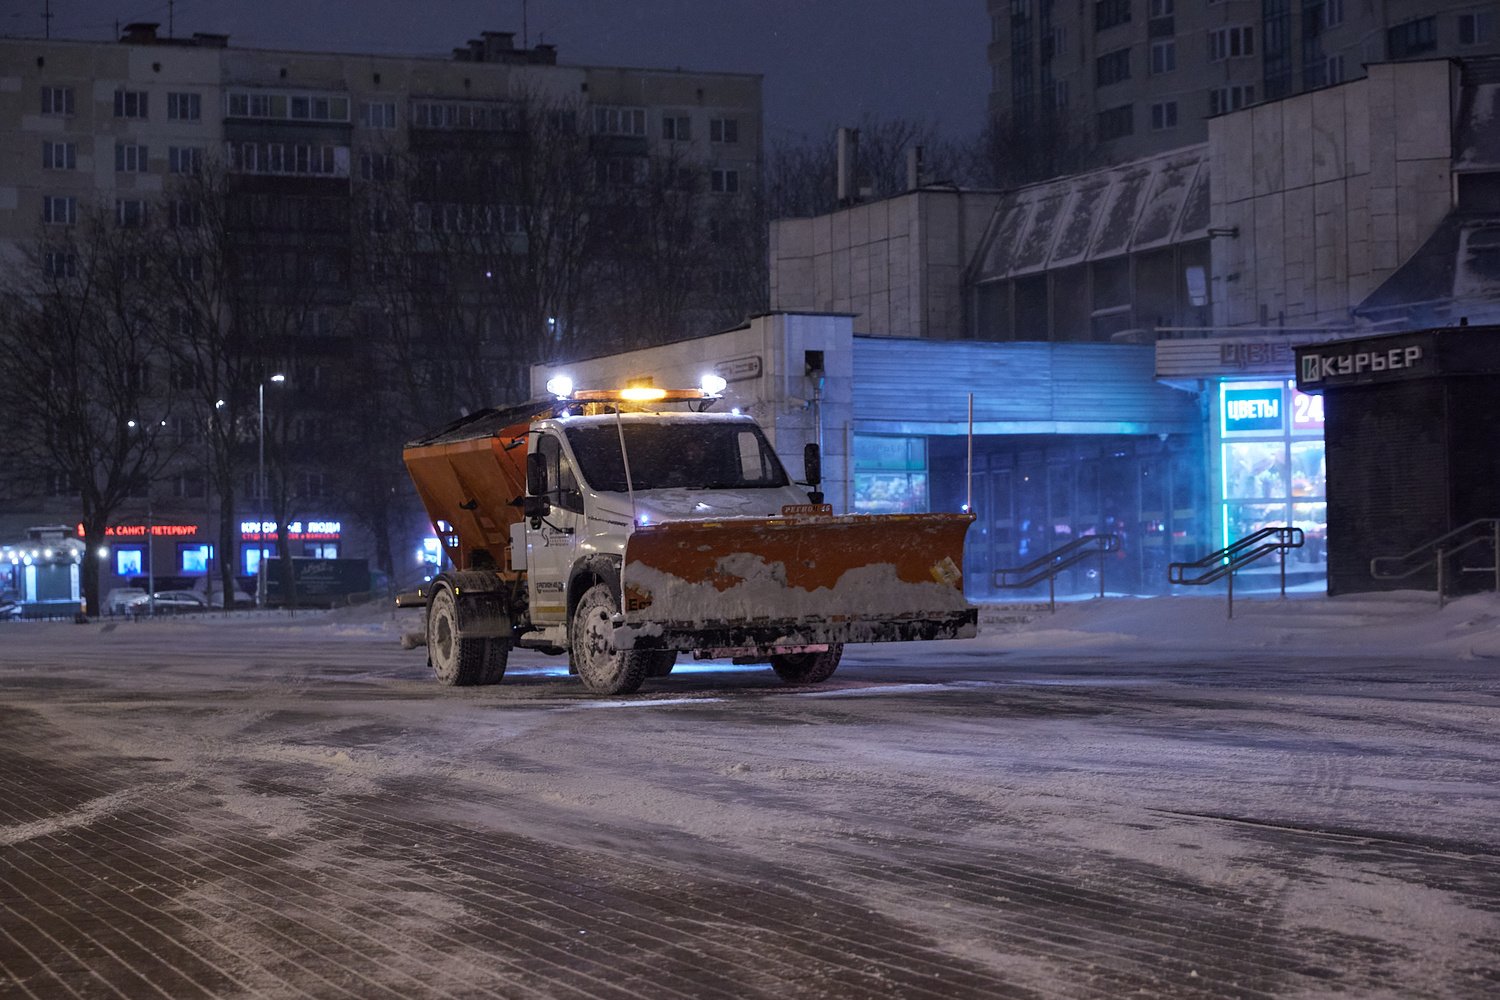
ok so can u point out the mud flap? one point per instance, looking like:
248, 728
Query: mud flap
775, 582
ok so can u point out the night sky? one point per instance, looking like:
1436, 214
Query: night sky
826, 62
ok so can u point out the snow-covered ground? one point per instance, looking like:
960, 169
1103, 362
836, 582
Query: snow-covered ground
1130, 796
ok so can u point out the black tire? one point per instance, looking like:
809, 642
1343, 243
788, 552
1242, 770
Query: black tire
659, 663
808, 668
591, 649
455, 660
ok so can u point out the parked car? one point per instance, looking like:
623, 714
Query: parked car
168, 602
117, 601
216, 599
10, 609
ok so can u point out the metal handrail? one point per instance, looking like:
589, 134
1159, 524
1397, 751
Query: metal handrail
1048, 565
1231, 557
1438, 552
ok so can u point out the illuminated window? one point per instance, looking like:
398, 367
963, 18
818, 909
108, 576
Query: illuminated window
890, 474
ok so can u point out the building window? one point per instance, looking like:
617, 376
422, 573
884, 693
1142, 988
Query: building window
130, 103
1112, 67
57, 100
1231, 43
184, 107
190, 268
1108, 13
59, 211
1060, 94
130, 213
185, 214
1163, 116
130, 158
1476, 29
59, 156
56, 264
377, 166
724, 130
1412, 38
1333, 12
378, 114
724, 181
620, 121
1117, 123
676, 128
185, 159
296, 107
1223, 100
890, 474
1163, 56
1162, 8
1333, 70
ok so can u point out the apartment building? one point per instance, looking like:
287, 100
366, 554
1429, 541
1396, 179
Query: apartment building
1134, 77
104, 131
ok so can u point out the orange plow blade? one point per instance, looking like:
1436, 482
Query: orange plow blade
783, 582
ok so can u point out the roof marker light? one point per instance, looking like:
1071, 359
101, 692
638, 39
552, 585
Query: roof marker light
712, 385
560, 386
642, 394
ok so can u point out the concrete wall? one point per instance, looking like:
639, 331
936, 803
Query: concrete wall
1329, 192
765, 363
897, 264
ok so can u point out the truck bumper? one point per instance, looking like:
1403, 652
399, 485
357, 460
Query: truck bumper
773, 635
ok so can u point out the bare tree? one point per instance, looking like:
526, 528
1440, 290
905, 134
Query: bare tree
85, 400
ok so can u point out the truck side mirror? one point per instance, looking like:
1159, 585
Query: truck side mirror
535, 505
536, 474
812, 464
812, 468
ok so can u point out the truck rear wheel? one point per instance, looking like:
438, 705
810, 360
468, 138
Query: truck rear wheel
808, 668
458, 661
591, 647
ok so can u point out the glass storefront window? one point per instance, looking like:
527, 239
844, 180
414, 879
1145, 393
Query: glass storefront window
194, 559
1254, 470
1247, 518
890, 474
250, 556
1273, 471
129, 562
1309, 473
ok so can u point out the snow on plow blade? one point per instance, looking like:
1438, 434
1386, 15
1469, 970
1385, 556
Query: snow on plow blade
777, 582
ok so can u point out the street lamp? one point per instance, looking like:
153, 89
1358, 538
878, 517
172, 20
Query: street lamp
260, 566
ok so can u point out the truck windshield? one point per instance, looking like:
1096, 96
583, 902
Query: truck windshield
677, 455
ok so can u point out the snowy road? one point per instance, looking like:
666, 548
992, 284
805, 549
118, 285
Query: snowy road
1128, 798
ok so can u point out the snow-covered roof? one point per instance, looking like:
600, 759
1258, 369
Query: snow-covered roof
1455, 273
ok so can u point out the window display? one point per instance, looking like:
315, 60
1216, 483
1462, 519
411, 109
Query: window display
890, 474
1254, 469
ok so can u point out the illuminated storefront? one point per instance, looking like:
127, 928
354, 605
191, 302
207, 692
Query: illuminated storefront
1272, 469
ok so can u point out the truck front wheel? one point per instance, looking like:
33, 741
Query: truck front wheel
591, 647
808, 668
456, 660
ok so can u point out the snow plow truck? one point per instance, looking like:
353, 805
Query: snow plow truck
624, 528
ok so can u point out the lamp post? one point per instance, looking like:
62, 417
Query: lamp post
260, 565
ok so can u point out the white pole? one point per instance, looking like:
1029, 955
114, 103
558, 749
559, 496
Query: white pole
969, 472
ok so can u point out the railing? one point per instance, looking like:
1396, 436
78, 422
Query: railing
1052, 563
1221, 564
1484, 530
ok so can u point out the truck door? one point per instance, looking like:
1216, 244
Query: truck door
550, 549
